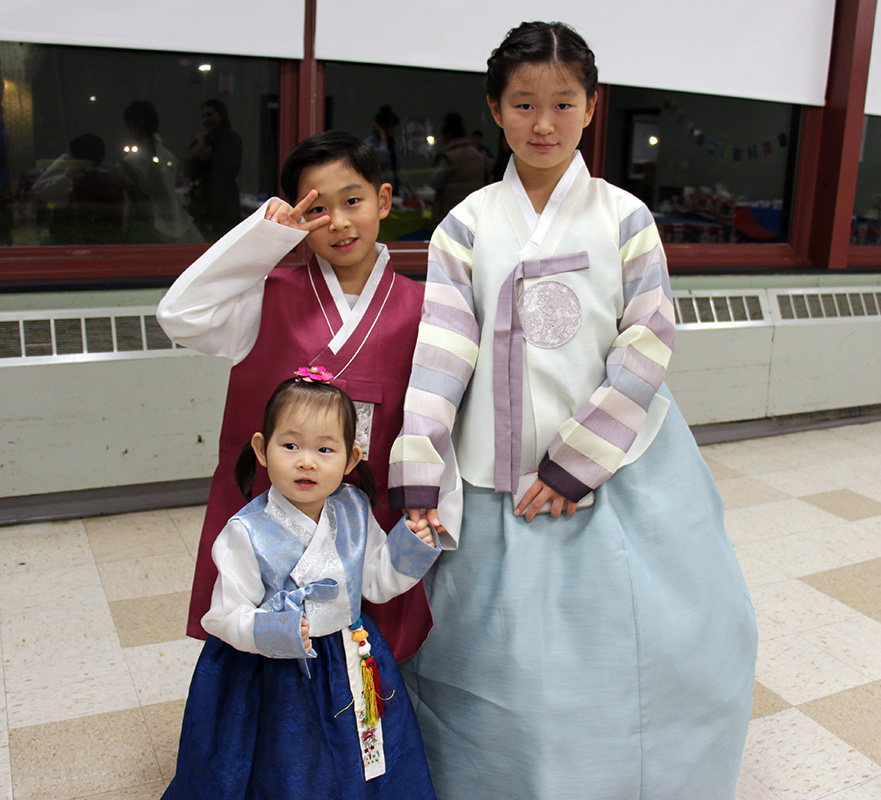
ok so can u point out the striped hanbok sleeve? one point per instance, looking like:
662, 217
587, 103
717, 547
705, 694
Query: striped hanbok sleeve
590, 446
443, 361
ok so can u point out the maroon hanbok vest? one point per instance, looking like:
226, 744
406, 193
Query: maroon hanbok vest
295, 333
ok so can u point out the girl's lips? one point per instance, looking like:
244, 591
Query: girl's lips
543, 147
305, 482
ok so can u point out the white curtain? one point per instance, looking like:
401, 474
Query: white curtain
233, 27
763, 49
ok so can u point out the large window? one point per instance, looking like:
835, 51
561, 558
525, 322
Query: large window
712, 169
866, 224
413, 116
110, 147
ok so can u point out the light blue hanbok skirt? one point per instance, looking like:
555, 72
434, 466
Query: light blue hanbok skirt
605, 656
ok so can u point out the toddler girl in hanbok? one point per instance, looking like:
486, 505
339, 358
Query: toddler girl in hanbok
608, 651
295, 693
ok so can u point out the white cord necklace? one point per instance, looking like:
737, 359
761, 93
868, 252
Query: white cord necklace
369, 330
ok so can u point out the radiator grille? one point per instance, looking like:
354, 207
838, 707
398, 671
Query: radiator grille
822, 304
93, 334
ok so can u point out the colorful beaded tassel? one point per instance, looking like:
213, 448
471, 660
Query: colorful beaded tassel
374, 702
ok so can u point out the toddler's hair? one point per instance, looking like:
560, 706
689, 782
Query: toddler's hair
325, 148
313, 397
540, 43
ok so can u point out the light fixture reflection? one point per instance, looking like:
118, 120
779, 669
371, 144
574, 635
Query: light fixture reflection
653, 140
429, 139
204, 68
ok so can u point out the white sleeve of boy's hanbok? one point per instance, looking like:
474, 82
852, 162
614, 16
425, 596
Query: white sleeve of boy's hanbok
394, 563
215, 305
234, 616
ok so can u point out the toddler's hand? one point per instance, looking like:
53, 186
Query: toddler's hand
415, 516
420, 527
283, 214
304, 632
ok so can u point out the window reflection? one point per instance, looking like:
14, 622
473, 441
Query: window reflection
102, 146
423, 123
712, 169
866, 223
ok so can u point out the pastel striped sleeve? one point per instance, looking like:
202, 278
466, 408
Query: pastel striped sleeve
590, 446
443, 361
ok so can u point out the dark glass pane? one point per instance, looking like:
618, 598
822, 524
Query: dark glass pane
712, 169
113, 146
865, 226
431, 162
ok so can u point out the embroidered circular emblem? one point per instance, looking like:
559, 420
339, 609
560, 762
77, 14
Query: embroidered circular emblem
549, 313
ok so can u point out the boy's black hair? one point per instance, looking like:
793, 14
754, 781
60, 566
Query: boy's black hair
540, 43
324, 148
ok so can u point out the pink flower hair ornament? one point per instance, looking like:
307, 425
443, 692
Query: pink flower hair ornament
313, 375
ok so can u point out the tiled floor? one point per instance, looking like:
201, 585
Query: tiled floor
95, 668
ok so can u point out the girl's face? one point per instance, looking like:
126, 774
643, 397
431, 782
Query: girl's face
543, 111
306, 456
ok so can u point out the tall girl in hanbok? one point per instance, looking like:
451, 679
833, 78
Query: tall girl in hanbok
593, 637
295, 693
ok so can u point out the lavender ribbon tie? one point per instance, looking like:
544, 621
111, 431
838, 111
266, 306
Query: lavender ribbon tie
508, 365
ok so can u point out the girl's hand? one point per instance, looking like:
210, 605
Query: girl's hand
538, 496
430, 514
283, 214
422, 529
304, 632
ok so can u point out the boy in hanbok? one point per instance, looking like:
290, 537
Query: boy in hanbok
608, 651
346, 310
295, 693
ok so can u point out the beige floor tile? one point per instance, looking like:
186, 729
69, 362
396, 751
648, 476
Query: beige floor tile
766, 702
720, 471
830, 444
795, 554
855, 541
127, 536
73, 619
745, 491
162, 672
796, 482
798, 606
41, 528
848, 473
128, 578
797, 759
846, 504
756, 571
59, 546
856, 642
799, 671
149, 620
857, 586
5, 771
853, 716
750, 524
750, 788
871, 790
770, 629
79, 757
748, 458
188, 521
149, 791
163, 724
795, 516
68, 686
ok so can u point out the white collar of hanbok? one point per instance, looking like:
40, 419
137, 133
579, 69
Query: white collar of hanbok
299, 524
539, 223
352, 315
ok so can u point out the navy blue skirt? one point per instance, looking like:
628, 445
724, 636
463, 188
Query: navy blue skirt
258, 728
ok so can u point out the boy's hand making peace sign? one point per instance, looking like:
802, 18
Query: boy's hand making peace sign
280, 212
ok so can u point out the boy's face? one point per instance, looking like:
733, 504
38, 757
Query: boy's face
355, 208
